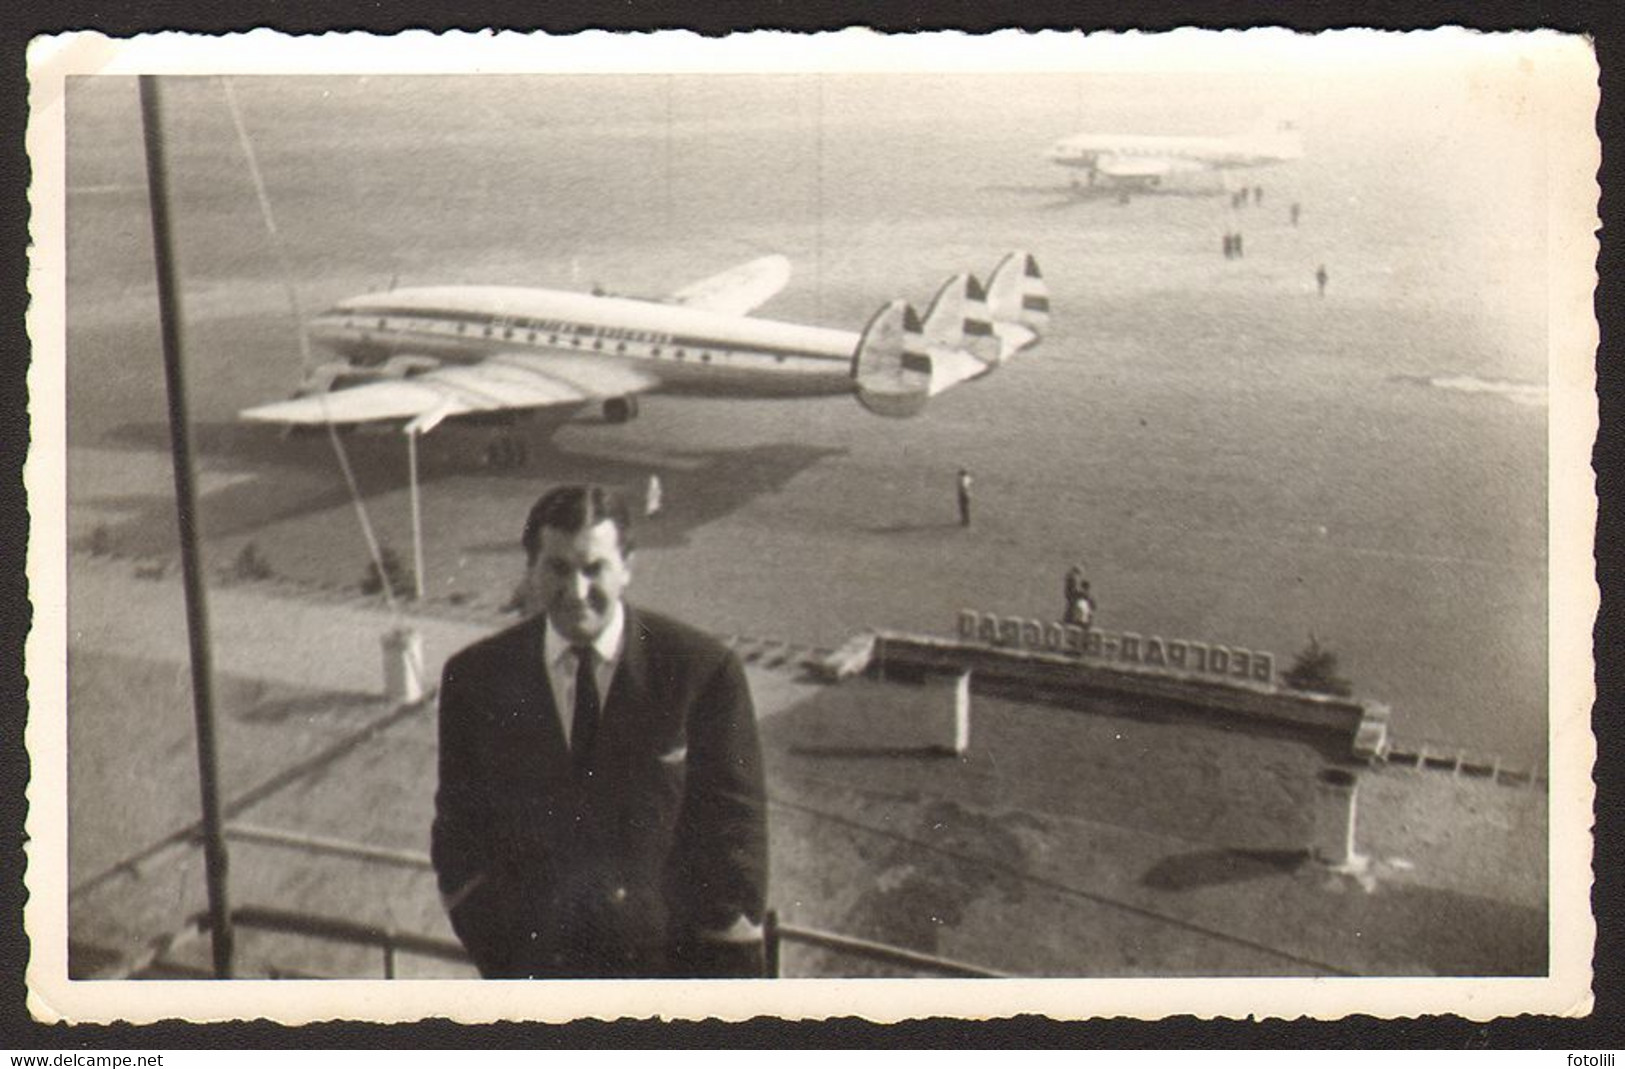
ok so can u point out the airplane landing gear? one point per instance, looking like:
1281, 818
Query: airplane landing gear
507, 451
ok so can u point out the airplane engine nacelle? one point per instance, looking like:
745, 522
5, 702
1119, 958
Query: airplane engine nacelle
323, 378
621, 409
339, 375
891, 373
404, 367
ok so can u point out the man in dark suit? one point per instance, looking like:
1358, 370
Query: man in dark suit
601, 809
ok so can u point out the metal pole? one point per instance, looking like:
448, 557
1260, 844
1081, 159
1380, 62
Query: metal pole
197, 614
417, 512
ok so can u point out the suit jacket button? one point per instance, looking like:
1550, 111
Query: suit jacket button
618, 895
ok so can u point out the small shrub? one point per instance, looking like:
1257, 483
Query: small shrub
1315, 669
399, 576
100, 542
251, 565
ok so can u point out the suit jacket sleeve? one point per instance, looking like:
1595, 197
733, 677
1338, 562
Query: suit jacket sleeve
721, 843
460, 844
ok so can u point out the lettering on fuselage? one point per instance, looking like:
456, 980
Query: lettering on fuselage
481, 325
1127, 647
380, 330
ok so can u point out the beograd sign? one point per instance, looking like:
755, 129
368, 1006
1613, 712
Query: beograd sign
1151, 651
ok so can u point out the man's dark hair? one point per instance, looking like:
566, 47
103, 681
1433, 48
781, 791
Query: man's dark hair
576, 508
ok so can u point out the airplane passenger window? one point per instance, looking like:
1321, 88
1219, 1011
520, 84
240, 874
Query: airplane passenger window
621, 348
655, 351
531, 337
681, 355
705, 358
552, 339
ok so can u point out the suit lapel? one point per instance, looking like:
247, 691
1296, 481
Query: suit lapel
625, 703
534, 700
631, 675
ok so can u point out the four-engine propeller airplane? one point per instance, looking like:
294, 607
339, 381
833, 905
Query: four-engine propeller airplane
499, 353
1144, 162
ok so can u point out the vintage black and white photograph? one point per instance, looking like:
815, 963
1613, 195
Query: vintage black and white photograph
1071, 524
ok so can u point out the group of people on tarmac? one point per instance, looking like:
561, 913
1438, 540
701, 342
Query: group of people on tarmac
1080, 603
1238, 199
1231, 244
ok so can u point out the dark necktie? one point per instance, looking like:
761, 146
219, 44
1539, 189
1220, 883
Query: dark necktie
584, 725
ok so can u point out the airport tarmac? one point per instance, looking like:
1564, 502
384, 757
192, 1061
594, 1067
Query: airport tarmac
1064, 842
1235, 458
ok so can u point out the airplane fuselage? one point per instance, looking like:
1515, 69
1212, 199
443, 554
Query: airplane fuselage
689, 350
1218, 153
1149, 161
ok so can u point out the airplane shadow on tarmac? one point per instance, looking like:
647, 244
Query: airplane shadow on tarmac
910, 528
296, 477
1072, 195
1205, 868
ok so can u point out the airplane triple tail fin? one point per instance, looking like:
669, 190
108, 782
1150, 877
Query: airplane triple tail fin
958, 319
1018, 302
891, 370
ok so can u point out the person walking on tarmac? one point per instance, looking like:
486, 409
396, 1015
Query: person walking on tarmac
963, 487
1321, 278
652, 496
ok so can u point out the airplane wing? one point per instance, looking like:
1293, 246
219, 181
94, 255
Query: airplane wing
501, 382
1131, 167
738, 290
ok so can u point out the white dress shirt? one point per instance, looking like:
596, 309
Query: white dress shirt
561, 666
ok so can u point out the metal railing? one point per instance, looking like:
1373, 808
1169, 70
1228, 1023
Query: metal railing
776, 934
390, 941
393, 942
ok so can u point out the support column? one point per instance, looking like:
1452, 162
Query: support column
1336, 805
961, 741
403, 665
